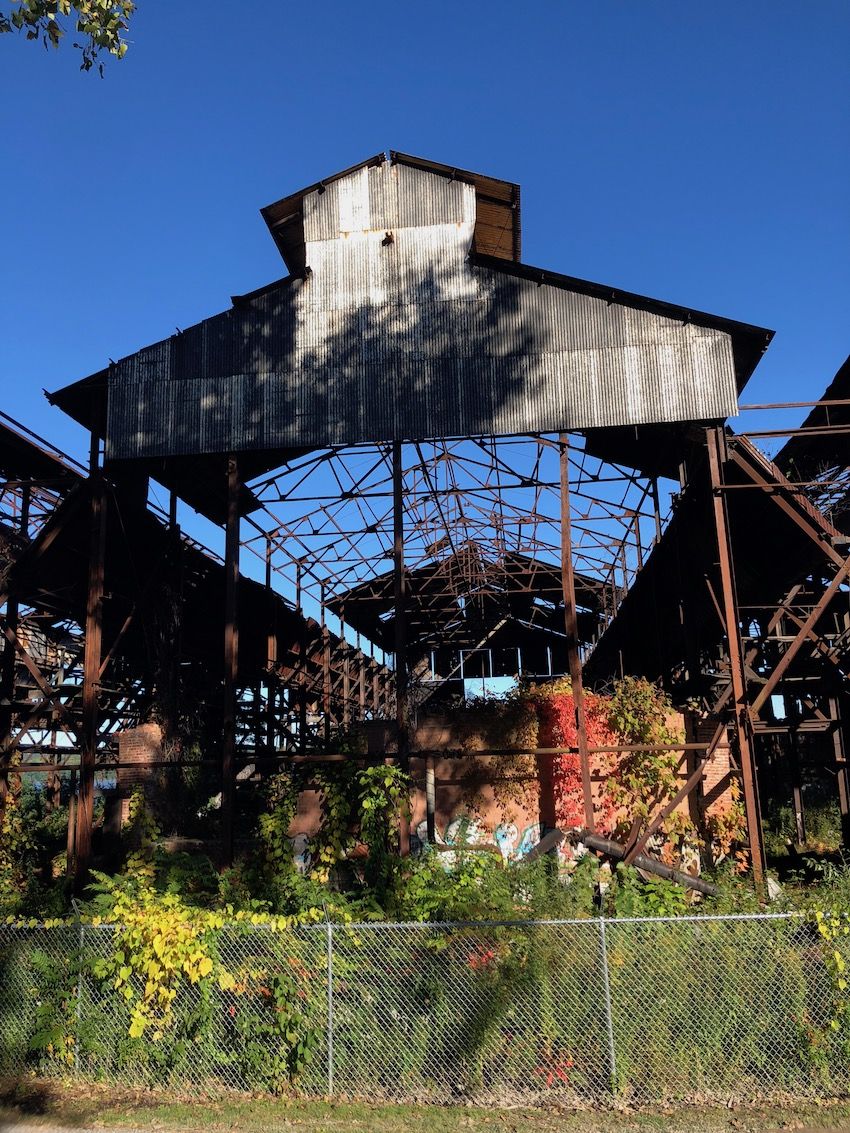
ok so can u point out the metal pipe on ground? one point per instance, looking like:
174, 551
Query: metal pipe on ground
617, 850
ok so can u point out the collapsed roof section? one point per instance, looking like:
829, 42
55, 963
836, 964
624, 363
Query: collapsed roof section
412, 319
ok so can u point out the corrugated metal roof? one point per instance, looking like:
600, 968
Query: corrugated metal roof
497, 223
395, 331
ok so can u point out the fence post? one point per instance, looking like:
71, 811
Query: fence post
609, 1022
330, 952
79, 1004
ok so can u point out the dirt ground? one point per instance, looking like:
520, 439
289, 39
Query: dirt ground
57, 1107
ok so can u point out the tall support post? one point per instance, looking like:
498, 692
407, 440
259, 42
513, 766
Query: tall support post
796, 768
656, 507
170, 673
571, 626
326, 672
7, 695
346, 671
91, 668
743, 724
302, 714
231, 659
841, 769
375, 692
7, 666
271, 660
72, 826
361, 680
400, 592
300, 676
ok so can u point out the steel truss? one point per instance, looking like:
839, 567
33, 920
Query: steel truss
334, 523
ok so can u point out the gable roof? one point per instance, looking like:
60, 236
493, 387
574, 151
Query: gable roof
497, 213
401, 325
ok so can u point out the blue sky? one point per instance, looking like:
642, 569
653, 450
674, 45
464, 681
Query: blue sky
698, 153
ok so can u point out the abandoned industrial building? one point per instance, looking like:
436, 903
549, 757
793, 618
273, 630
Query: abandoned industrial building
437, 468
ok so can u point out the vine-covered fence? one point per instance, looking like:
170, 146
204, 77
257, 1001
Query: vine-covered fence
587, 1010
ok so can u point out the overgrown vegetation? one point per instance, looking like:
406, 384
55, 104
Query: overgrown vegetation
229, 965
33, 836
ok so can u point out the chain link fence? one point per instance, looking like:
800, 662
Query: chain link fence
573, 1011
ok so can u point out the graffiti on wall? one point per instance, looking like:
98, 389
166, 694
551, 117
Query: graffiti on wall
464, 831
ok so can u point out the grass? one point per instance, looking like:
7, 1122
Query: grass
44, 1105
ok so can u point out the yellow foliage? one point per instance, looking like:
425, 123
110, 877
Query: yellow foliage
162, 944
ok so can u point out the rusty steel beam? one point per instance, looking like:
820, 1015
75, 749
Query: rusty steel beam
801, 638
614, 849
715, 446
803, 514
231, 659
271, 658
91, 671
7, 671
637, 842
400, 600
821, 646
571, 626
7, 694
842, 772
50, 695
326, 673
55, 526
400, 627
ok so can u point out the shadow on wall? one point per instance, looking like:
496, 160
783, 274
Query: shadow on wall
374, 373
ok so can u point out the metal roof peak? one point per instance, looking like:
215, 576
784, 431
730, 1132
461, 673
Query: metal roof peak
497, 220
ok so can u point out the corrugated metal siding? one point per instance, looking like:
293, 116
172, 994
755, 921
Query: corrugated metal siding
406, 339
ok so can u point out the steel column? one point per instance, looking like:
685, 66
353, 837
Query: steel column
400, 626
326, 672
797, 783
743, 723
231, 659
571, 625
802, 637
841, 769
7, 672
91, 669
400, 592
271, 660
7, 695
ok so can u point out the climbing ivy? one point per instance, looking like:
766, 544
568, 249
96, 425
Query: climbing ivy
832, 927
15, 842
384, 797
337, 787
162, 947
275, 849
142, 835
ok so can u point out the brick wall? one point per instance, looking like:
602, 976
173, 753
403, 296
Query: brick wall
136, 748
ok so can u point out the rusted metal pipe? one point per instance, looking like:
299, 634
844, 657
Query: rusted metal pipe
617, 850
